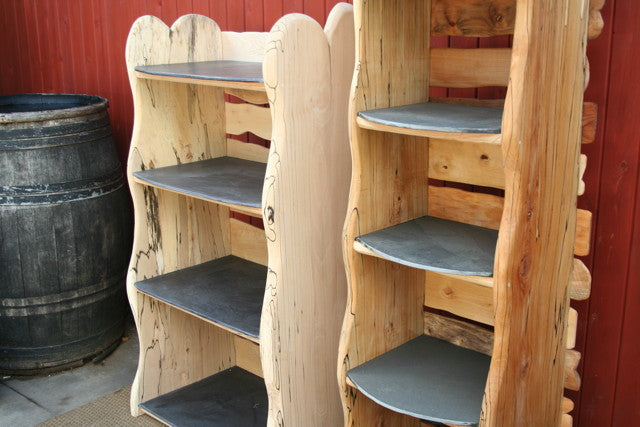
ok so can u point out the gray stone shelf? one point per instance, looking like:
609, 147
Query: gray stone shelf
233, 397
434, 116
227, 291
223, 179
436, 244
427, 378
228, 71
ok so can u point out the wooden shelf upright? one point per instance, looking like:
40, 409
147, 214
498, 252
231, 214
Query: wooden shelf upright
235, 321
459, 301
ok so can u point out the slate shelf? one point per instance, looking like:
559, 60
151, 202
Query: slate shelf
426, 378
223, 72
233, 397
436, 244
225, 180
439, 117
227, 291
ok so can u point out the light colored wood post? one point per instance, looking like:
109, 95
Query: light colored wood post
541, 147
307, 74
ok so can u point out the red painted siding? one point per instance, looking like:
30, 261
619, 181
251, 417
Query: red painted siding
78, 47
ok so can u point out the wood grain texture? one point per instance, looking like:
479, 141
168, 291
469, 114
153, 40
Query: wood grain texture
571, 375
461, 297
241, 118
307, 74
174, 123
248, 355
535, 249
251, 96
476, 164
469, 68
186, 348
389, 172
246, 151
477, 19
567, 405
572, 327
248, 242
580, 287
458, 332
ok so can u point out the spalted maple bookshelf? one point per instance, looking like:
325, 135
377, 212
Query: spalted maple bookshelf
235, 322
458, 307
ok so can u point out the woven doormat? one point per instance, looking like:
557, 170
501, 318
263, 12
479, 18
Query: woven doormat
110, 410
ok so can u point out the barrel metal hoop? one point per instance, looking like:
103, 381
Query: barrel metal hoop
48, 194
79, 136
63, 301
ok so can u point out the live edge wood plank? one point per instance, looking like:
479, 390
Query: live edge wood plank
472, 19
534, 258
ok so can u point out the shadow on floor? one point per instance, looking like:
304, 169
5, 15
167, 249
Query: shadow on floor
27, 401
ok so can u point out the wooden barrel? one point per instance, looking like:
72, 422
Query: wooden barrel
65, 232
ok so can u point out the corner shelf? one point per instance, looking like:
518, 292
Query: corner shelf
426, 378
438, 117
230, 74
227, 291
233, 397
215, 298
233, 182
436, 244
436, 120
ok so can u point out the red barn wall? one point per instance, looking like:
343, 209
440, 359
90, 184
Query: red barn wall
78, 47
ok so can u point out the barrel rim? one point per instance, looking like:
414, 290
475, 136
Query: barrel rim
93, 104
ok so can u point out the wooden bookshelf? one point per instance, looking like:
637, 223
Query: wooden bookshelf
458, 309
234, 320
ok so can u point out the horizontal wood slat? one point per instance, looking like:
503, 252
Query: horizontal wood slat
476, 164
241, 118
469, 68
472, 19
248, 242
248, 355
247, 151
459, 296
251, 96
485, 210
458, 332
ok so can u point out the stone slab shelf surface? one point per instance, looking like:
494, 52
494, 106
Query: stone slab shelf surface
224, 179
439, 117
233, 397
426, 378
436, 244
229, 71
227, 291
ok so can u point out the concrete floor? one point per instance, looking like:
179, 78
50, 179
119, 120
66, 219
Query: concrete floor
27, 401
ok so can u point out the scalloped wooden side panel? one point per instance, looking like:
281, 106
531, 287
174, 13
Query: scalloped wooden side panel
307, 75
